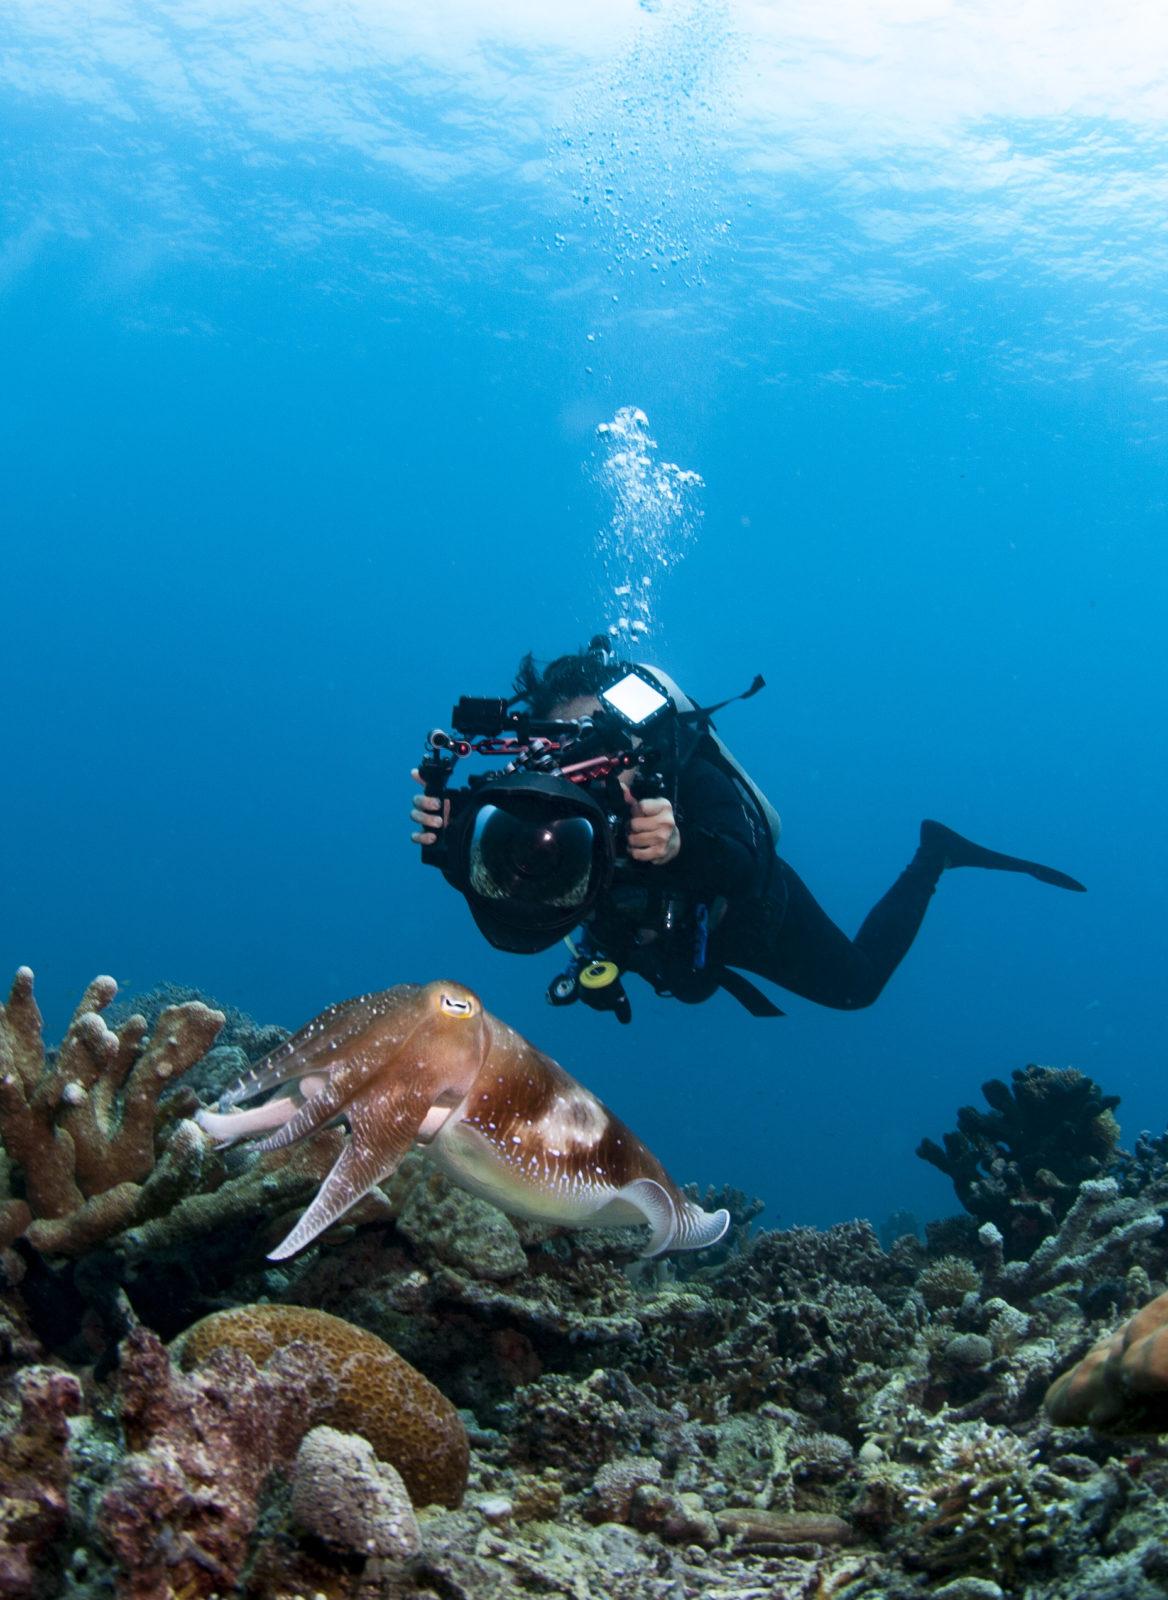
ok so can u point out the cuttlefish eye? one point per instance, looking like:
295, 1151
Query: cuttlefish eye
451, 1006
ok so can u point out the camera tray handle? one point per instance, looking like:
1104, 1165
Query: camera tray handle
436, 769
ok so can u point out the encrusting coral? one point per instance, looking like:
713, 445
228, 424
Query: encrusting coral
82, 1127
181, 1507
1121, 1384
34, 1477
373, 1392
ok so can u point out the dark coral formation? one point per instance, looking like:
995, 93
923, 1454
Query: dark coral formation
1019, 1164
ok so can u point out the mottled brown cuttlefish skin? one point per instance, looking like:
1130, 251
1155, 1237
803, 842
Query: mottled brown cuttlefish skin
426, 1065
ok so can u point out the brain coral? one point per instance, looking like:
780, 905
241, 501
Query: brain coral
409, 1422
1121, 1384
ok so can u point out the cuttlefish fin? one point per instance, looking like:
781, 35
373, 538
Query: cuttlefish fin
672, 1225
382, 1128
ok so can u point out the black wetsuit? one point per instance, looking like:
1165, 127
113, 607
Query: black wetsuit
769, 921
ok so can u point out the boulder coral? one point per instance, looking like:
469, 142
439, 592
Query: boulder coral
82, 1126
1121, 1384
372, 1391
344, 1494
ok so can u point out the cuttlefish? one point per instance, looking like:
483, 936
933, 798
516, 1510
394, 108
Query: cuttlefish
427, 1066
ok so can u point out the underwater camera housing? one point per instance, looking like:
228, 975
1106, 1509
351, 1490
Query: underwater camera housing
533, 848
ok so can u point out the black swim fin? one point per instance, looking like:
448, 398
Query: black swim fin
949, 849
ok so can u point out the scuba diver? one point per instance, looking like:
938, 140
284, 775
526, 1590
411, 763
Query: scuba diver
622, 814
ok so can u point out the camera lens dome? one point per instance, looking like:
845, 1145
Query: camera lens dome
522, 854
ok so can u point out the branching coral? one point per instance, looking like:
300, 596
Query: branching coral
1096, 1237
1019, 1165
810, 1320
82, 1127
986, 1506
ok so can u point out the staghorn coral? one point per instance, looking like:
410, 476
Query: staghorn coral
83, 1128
1019, 1165
1121, 1384
372, 1391
986, 1506
1096, 1238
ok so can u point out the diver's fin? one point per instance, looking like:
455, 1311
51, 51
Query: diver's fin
950, 849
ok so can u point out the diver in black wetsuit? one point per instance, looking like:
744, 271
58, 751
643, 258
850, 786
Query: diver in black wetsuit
706, 848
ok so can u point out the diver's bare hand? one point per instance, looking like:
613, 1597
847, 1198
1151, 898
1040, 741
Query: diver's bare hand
653, 836
429, 814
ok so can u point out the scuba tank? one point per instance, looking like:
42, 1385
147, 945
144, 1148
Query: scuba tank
710, 743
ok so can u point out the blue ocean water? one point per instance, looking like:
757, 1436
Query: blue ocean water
310, 315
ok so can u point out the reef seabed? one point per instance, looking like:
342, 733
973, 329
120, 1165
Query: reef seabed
799, 1415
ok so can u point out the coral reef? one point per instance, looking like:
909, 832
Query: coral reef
803, 1415
100, 1161
371, 1390
1121, 1384
1019, 1164
82, 1128
345, 1495
34, 1477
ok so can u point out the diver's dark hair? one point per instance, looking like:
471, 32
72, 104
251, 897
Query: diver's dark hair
565, 678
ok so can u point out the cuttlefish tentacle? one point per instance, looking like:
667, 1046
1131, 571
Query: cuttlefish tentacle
428, 1066
381, 1132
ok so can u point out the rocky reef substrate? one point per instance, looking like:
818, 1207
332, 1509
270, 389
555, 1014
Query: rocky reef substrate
444, 1404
